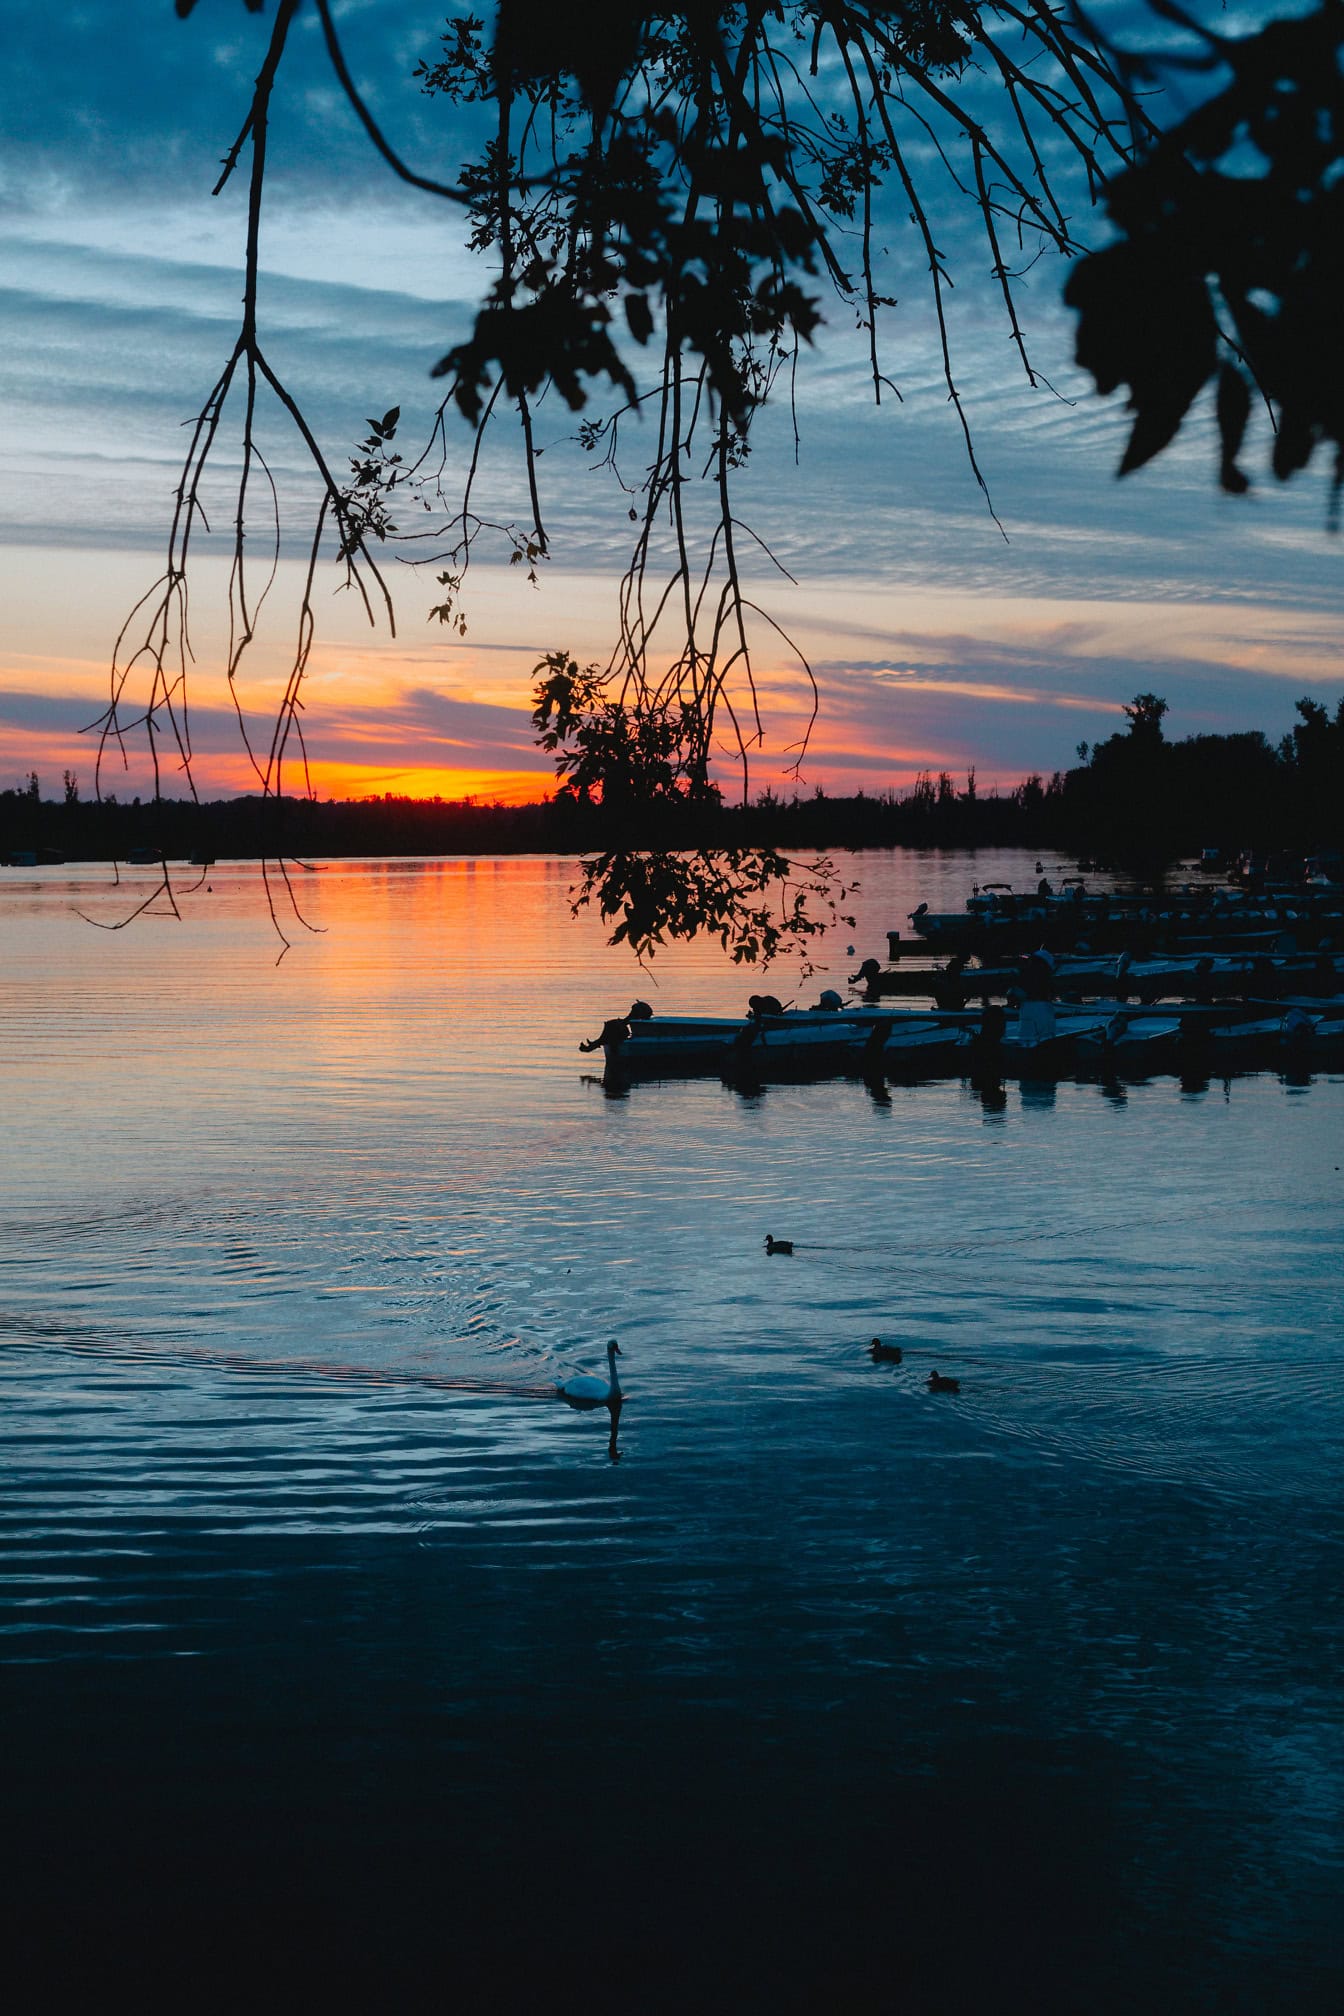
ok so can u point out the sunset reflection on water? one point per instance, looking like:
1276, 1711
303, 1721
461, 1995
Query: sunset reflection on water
291, 1257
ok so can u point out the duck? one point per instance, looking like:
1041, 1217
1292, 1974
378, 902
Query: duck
881, 1353
940, 1383
773, 1245
590, 1389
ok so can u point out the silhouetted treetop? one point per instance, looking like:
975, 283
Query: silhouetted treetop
1144, 714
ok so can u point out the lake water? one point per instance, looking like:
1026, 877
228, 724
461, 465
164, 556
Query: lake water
340, 1657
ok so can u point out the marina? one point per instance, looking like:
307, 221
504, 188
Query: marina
1208, 916
1187, 1041
1188, 1012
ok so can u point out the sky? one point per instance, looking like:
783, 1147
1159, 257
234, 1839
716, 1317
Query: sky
936, 640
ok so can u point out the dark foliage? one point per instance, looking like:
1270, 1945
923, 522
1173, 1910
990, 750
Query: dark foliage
1230, 265
1141, 801
663, 197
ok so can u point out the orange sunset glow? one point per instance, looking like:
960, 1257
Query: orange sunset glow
487, 787
911, 678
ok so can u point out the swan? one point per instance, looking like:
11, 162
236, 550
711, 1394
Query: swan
878, 1352
590, 1389
778, 1245
940, 1383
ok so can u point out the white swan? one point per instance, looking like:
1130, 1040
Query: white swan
590, 1389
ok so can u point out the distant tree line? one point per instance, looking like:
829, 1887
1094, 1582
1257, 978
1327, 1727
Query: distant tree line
1137, 798
1133, 801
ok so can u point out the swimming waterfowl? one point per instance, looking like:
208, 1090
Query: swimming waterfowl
778, 1245
940, 1383
590, 1389
880, 1352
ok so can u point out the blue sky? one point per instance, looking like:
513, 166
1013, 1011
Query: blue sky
935, 641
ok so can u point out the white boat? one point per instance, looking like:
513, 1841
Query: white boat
1131, 1042
940, 1046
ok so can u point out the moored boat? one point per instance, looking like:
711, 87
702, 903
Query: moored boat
1035, 1039
1201, 976
1129, 1043
997, 919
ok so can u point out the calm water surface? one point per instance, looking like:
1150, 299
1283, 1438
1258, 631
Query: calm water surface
322, 1619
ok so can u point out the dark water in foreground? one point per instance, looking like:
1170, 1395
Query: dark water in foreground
338, 1660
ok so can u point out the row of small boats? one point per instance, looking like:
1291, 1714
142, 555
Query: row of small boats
1219, 996
996, 916
1197, 976
1043, 1039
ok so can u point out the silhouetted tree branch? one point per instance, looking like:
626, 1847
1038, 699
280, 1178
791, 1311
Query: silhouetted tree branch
676, 184
1229, 268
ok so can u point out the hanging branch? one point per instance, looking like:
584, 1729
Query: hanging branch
163, 653
674, 190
